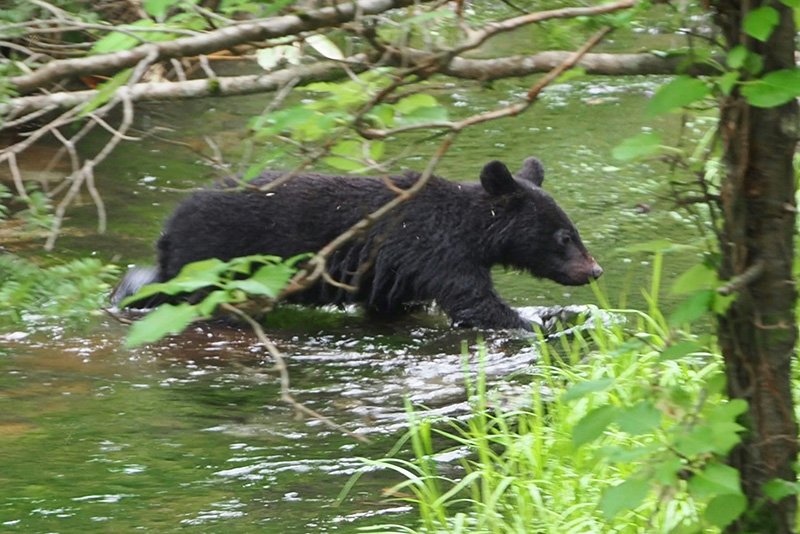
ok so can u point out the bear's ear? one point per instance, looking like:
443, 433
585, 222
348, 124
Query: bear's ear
532, 171
497, 180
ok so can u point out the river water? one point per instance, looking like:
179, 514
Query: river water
189, 434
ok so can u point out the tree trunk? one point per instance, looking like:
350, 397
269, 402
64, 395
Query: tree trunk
758, 333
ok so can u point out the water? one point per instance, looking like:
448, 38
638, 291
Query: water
189, 434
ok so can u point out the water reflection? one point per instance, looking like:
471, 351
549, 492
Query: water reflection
190, 432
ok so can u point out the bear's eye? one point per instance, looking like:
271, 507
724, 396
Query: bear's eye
565, 239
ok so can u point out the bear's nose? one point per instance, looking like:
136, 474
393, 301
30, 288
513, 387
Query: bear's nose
597, 271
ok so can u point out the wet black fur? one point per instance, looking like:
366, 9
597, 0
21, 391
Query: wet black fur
438, 246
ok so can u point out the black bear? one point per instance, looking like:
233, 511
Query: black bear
438, 246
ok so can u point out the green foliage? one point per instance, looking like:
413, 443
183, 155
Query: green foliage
70, 293
642, 145
774, 89
106, 91
625, 430
38, 211
5, 197
336, 107
760, 22
680, 92
232, 282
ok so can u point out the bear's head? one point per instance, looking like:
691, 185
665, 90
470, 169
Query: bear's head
530, 231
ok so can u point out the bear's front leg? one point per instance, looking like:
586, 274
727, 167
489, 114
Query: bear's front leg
478, 304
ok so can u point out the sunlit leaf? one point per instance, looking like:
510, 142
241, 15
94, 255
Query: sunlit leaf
343, 164
737, 56
167, 319
730, 410
680, 92
209, 304
760, 22
727, 81
413, 102
158, 8
774, 89
778, 488
423, 115
274, 277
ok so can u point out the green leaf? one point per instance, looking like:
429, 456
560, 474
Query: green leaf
422, 115
727, 81
729, 411
165, 320
106, 91
209, 304
679, 350
737, 56
644, 144
760, 22
698, 441
694, 307
206, 270
343, 164
725, 435
715, 479
774, 89
701, 276
791, 3
413, 102
660, 245
593, 424
667, 470
724, 509
158, 8
640, 418
274, 278
778, 488
584, 388
376, 149
616, 454
625, 496
680, 92
251, 287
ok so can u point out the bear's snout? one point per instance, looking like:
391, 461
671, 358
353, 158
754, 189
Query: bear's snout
597, 271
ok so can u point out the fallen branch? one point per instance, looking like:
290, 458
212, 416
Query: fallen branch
206, 43
458, 67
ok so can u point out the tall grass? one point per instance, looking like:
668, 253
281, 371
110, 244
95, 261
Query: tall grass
529, 471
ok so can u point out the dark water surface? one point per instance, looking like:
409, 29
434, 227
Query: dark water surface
189, 435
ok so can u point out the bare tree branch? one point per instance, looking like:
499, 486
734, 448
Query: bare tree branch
207, 43
283, 372
458, 67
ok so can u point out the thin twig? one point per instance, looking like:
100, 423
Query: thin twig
283, 371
